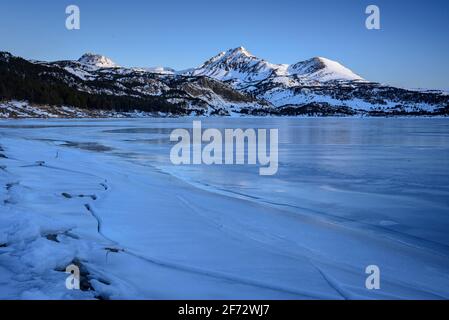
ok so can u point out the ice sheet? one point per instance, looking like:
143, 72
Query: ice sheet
349, 193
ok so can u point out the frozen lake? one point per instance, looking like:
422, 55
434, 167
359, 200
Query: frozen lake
350, 192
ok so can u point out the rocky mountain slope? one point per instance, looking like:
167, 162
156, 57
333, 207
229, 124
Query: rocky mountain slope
95, 83
233, 82
317, 85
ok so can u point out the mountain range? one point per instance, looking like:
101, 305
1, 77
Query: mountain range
234, 82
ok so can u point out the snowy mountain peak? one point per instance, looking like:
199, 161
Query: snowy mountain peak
242, 68
322, 69
97, 60
231, 56
235, 64
240, 51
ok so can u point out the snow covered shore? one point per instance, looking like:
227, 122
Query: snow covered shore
139, 232
24, 110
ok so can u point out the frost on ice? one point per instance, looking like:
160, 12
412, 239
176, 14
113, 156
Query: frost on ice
99, 194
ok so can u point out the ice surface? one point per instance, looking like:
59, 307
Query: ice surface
349, 193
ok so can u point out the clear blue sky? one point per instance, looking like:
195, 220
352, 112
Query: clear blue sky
411, 49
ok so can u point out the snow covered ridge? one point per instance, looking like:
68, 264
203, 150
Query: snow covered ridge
89, 87
234, 82
318, 86
242, 68
23, 110
97, 60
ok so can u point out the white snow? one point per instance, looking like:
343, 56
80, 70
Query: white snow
80, 73
322, 69
159, 70
97, 60
235, 64
243, 68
